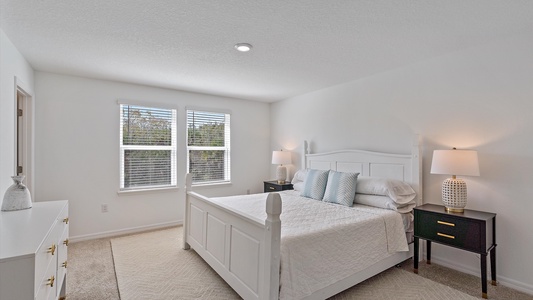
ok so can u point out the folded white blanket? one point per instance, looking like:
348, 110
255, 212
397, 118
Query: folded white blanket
399, 191
384, 202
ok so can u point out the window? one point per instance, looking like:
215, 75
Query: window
208, 146
147, 147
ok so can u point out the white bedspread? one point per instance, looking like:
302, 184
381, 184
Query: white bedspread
322, 243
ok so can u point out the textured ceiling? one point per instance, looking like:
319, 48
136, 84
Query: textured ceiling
299, 46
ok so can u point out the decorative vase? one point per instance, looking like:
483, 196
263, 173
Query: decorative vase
17, 196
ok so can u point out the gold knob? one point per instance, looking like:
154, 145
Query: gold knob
65, 242
64, 264
52, 249
51, 281
270, 187
65, 220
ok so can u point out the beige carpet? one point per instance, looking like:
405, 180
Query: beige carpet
153, 266
91, 274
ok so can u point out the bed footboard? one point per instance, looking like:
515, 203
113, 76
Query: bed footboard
244, 251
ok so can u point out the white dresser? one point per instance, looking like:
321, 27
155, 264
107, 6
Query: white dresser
33, 252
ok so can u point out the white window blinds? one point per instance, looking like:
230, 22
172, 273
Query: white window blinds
147, 147
208, 147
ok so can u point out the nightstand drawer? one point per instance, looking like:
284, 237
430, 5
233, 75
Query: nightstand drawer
273, 186
459, 233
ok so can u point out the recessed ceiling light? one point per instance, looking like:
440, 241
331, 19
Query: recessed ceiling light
243, 47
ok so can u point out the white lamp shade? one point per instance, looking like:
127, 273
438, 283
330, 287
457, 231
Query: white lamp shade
281, 157
455, 162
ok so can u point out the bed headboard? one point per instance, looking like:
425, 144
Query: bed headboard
404, 167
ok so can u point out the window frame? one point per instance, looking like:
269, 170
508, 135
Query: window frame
173, 148
226, 148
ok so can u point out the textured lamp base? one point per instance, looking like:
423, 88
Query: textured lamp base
454, 194
281, 174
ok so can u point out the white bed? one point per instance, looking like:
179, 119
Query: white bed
243, 245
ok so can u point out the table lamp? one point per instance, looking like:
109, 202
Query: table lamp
454, 162
280, 158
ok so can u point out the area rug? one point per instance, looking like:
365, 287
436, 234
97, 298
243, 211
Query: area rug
153, 266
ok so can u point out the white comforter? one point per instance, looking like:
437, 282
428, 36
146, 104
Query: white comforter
322, 243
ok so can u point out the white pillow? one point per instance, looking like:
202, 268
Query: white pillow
315, 184
384, 202
299, 186
399, 191
299, 176
340, 188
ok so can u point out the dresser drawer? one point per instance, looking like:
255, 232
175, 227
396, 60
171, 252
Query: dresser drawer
458, 232
62, 219
47, 254
46, 286
62, 263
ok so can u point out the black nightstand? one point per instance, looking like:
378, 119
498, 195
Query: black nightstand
471, 230
274, 186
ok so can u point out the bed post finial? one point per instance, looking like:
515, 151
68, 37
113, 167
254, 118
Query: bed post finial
273, 206
188, 181
306, 150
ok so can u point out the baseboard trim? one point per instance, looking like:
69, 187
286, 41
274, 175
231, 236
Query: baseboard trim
111, 233
508, 282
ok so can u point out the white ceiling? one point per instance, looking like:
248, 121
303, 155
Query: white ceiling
299, 45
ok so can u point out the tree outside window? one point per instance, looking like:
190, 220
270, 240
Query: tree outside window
208, 146
147, 147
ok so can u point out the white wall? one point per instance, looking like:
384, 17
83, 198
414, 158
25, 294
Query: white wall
77, 151
481, 99
12, 65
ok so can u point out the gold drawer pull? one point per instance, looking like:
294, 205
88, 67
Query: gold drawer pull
52, 249
65, 242
445, 235
445, 223
65, 220
51, 281
272, 188
64, 264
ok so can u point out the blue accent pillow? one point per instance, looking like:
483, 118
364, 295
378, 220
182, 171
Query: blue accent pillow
315, 184
340, 188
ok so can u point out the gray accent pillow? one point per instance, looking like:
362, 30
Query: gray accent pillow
315, 184
340, 188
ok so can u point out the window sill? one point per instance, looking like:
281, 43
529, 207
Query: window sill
148, 191
211, 185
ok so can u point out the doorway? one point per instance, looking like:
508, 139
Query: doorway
23, 134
